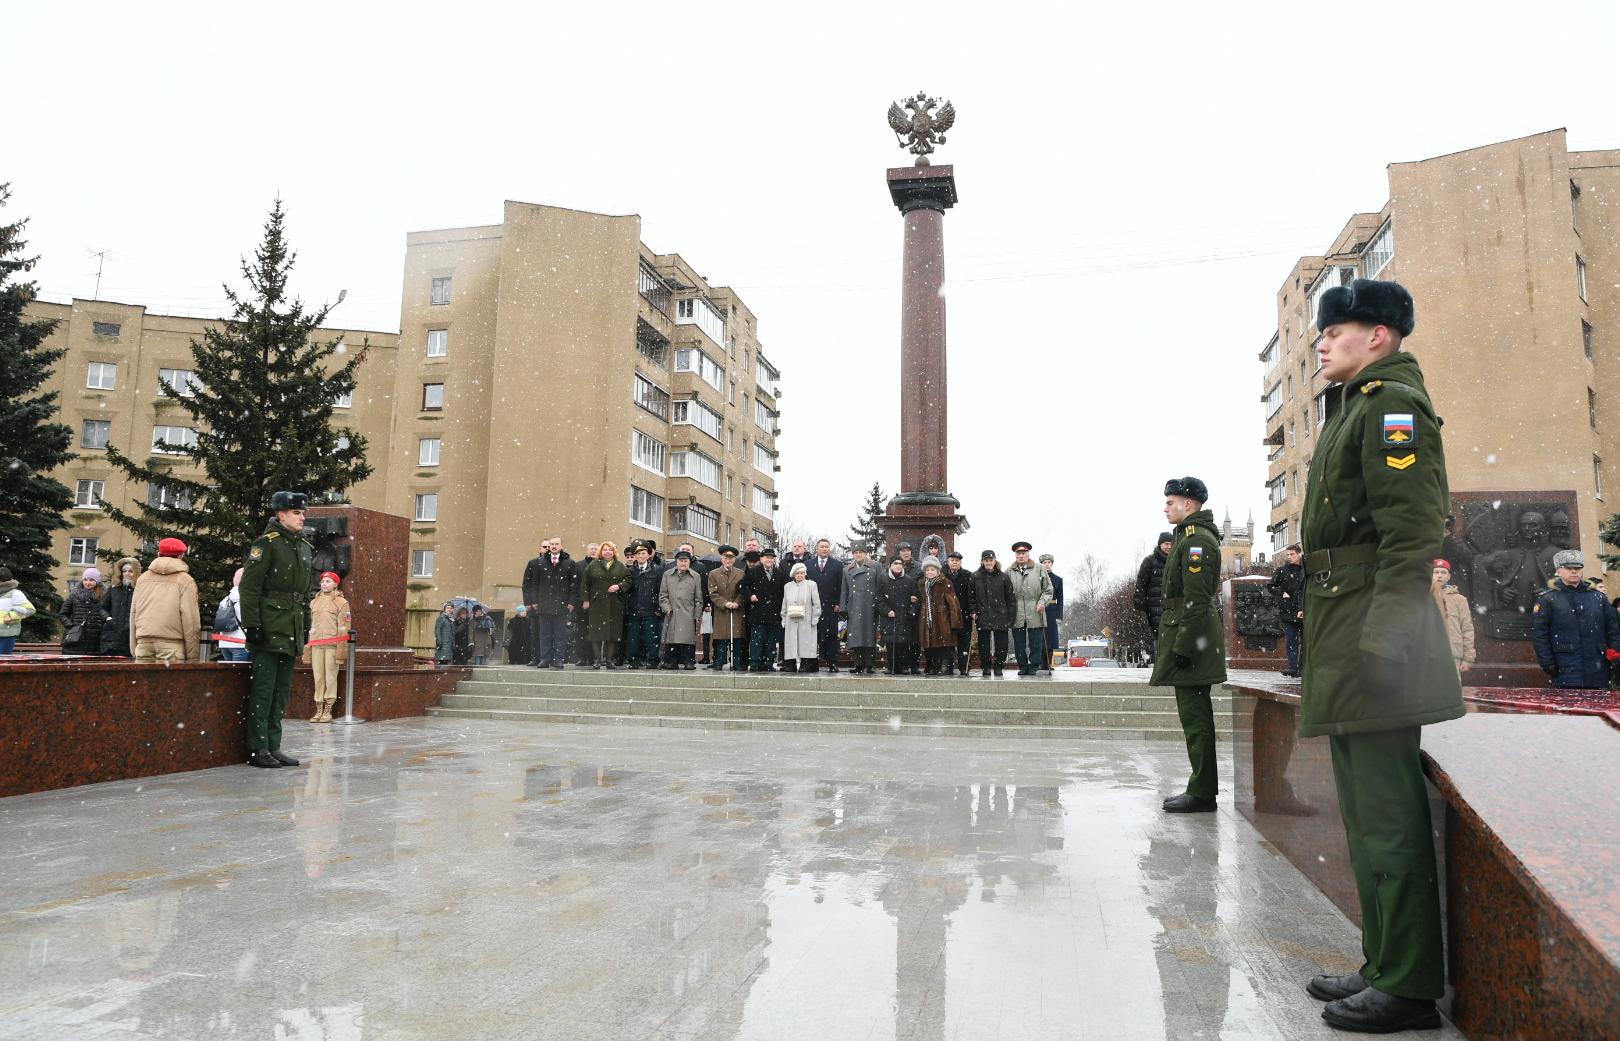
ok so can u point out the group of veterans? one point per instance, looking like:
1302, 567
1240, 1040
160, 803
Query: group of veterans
750, 609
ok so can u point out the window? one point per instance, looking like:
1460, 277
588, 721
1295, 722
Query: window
1269, 358
652, 344
182, 381
427, 506
764, 501
87, 495
764, 458
96, 433
1293, 483
1278, 487
168, 440
694, 520
432, 397
1279, 537
646, 509
765, 375
1379, 252
422, 563
1321, 408
1290, 433
1273, 400
106, 328
1597, 476
1329, 278
647, 451
344, 400
427, 451
653, 288
101, 376
652, 397
1574, 209
1591, 407
765, 538
690, 359
764, 418
697, 414
697, 466
438, 343
439, 293
82, 551
698, 311
1586, 337
1580, 276
1290, 387
731, 438
161, 496
730, 487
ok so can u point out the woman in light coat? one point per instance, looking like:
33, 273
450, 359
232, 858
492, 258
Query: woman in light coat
14, 607
858, 602
801, 610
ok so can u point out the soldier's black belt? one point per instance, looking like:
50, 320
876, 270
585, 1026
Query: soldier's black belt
1318, 562
1182, 601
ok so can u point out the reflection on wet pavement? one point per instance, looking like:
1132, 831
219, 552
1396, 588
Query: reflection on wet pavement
432, 879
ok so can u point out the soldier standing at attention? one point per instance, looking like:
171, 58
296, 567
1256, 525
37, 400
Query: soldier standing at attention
1380, 665
275, 617
1191, 655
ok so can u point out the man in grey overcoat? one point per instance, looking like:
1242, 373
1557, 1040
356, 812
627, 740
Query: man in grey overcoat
680, 598
858, 602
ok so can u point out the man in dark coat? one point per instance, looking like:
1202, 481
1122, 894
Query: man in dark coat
994, 605
1288, 589
1054, 611
1574, 628
762, 591
897, 617
962, 582
1191, 656
827, 572
275, 620
1378, 664
550, 584
642, 608
1149, 595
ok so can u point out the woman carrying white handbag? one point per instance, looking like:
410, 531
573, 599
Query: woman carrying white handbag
801, 610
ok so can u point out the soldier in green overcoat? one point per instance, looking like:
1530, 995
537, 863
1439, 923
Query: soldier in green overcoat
1380, 665
1191, 654
275, 617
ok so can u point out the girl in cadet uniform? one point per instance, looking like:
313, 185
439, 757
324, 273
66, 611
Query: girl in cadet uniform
328, 617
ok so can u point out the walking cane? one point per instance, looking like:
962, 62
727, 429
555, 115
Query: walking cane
348, 684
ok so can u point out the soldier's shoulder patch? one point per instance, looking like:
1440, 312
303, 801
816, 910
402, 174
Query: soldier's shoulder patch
256, 552
1400, 462
1398, 431
1537, 608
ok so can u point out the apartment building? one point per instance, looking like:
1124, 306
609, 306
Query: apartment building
107, 385
1510, 251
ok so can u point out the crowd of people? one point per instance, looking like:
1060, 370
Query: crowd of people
749, 610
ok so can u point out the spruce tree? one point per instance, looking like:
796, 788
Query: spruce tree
33, 504
866, 527
261, 408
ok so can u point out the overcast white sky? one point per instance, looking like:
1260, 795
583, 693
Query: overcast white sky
1135, 184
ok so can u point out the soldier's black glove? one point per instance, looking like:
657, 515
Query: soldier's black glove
1381, 678
1551, 671
1182, 661
254, 634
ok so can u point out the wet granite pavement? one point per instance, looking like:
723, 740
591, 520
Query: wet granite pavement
442, 878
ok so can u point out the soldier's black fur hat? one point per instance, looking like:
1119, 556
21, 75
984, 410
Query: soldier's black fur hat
1190, 487
1370, 301
289, 501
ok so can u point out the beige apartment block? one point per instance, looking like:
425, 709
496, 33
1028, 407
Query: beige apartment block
107, 386
1510, 252
557, 377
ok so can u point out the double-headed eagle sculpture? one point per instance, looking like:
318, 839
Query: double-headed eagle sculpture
920, 131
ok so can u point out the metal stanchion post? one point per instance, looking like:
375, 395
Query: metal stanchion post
348, 684
207, 646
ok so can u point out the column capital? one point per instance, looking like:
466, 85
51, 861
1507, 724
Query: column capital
922, 188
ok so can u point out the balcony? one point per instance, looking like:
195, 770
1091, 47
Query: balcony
654, 290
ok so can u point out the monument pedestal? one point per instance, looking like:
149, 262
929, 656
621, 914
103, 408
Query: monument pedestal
904, 522
1253, 631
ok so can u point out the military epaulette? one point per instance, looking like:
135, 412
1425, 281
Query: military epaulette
271, 535
1371, 385
1192, 529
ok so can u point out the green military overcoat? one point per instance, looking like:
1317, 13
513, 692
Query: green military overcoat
275, 589
1191, 624
1376, 499
605, 618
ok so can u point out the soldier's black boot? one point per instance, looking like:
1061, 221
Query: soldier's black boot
282, 757
1371, 1011
1332, 988
263, 759
1188, 803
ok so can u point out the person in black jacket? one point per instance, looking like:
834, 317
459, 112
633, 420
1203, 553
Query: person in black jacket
961, 580
897, 617
1149, 596
994, 607
550, 584
1288, 587
81, 615
115, 642
827, 572
761, 590
641, 608
1574, 628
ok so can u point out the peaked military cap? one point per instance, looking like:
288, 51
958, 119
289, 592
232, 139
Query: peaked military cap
723, 550
1190, 487
1371, 301
988, 554
289, 501
1021, 545
904, 545
1568, 558
953, 555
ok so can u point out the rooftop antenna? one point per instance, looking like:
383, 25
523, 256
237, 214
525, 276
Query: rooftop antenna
101, 261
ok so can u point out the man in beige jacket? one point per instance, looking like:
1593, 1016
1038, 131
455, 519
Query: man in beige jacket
163, 621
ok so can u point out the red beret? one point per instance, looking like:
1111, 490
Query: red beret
171, 547
1442, 562
333, 575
